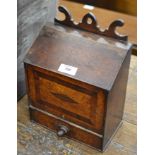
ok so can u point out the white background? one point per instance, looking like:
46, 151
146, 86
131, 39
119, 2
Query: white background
146, 77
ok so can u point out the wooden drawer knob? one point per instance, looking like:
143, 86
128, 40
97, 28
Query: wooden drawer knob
62, 131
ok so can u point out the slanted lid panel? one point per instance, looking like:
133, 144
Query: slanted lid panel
97, 64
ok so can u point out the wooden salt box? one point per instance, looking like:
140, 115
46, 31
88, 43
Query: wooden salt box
76, 80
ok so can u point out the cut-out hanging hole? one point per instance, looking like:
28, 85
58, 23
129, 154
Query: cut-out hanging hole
62, 16
89, 21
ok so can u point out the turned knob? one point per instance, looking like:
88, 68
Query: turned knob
62, 131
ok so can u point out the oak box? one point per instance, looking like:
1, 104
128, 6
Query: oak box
76, 84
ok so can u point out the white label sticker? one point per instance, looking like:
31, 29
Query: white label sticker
88, 7
67, 69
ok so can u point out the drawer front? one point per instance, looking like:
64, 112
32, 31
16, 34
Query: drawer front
68, 100
54, 123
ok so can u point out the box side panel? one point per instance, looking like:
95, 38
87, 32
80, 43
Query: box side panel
116, 101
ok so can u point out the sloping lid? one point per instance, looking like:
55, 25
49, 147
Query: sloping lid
97, 63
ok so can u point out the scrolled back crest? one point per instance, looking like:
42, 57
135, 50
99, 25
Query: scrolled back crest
89, 23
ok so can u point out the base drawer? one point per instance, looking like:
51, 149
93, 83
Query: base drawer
74, 132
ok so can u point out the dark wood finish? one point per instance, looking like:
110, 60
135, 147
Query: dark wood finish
75, 132
90, 103
74, 95
117, 96
92, 26
104, 17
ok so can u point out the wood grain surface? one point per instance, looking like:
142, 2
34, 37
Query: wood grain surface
51, 49
93, 98
34, 139
104, 18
